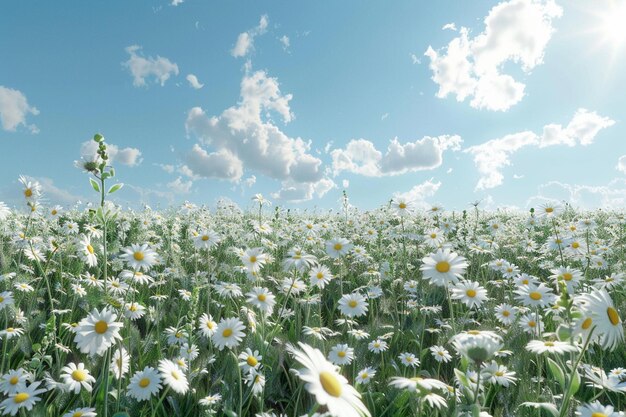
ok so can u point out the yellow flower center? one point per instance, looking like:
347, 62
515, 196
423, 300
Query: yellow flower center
320, 275
1, 299
138, 256
251, 361
28, 192
471, 293
402, 205
101, 327
548, 344
14, 380
352, 303
598, 414
54, 212
205, 238
330, 383
568, 276
90, 249
473, 332
442, 267
532, 323
252, 259
587, 323
78, 414
506, 313
144, 382
133, 308
227, 332
261, 297
433, 235
535, 295
499, 373
175, 375
613, 316
341, 354
338, 246
575, 245
21, 397
549, 209
79, 375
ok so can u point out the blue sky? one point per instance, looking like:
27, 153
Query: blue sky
534, 108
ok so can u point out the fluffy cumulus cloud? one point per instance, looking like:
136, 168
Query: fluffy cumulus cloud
360, 156
142, 68
14, 108
589, 197
298, 192
621, 164
515, 31
420, 192
193, 82
179, 186
492, 156
245, 136
245, 40
125, 156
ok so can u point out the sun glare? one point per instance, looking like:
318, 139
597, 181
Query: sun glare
613, 24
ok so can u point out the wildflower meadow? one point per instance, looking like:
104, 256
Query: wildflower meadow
399, 311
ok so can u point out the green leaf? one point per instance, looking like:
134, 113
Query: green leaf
94, 184
575, 383
551, 408
115, 188
557, 372
121, 414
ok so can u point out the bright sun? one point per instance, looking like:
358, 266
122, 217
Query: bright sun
613, 24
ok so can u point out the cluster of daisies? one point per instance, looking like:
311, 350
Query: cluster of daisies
265, 312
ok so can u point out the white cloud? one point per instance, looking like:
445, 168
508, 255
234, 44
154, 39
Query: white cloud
284, 40
11, 194
141, 68
126, 156
384, 116
415, 59
361, 156
515, 31
582, 129
345, 183
176, 2
14, 108
221, 164
245, 40
621, 164
193, 82
245, 136
588, 197
419, 193
449, 26
297, 192
492, 156
250, 181
167, 168
179, 186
